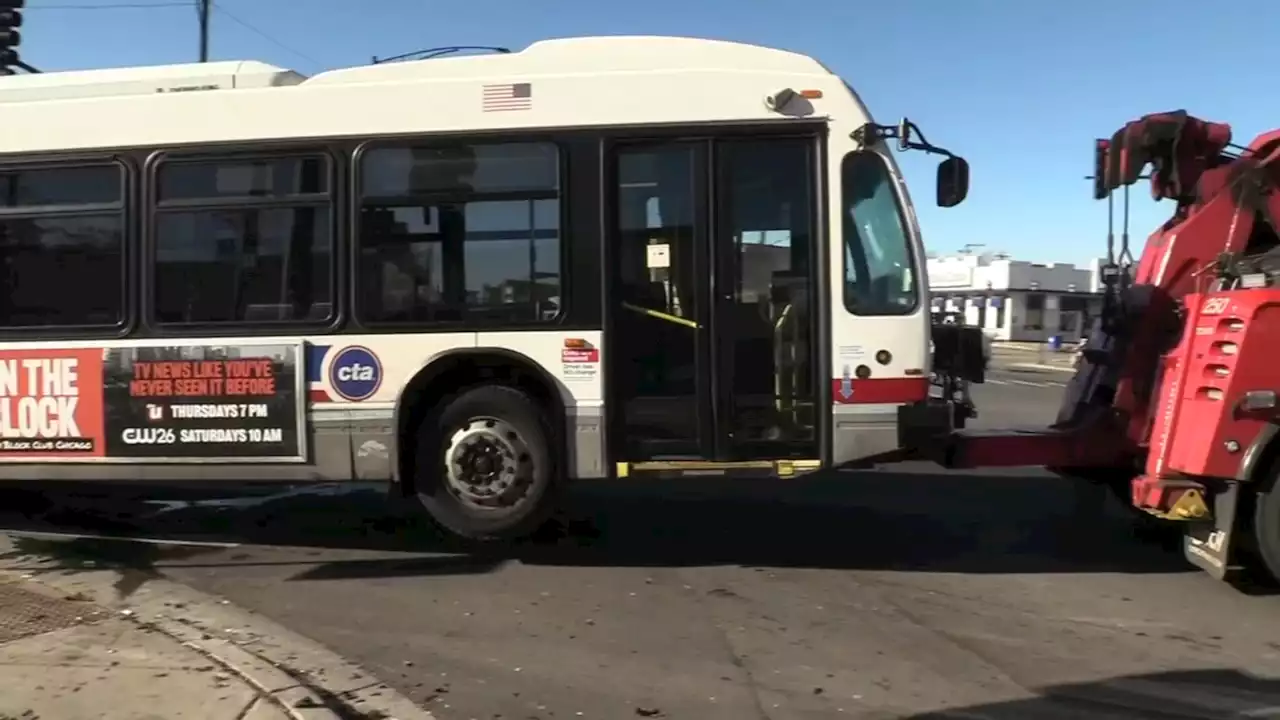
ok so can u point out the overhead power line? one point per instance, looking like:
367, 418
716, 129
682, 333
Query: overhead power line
112, 6
264, 35
202, 8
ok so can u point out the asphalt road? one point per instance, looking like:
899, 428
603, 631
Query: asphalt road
903, 592
1018, 396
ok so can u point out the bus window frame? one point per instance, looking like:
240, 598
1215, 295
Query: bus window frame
334, 198
850, 234
125, 207
563, 146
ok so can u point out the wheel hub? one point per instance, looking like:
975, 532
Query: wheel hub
487, 462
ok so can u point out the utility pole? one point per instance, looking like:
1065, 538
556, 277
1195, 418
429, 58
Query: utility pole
202, 7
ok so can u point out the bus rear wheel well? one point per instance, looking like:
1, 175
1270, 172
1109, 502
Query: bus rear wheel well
449, 376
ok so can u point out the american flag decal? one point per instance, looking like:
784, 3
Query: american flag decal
510, 96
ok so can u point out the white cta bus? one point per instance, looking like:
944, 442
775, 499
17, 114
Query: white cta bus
474, 277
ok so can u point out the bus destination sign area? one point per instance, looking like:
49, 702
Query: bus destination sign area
152, 403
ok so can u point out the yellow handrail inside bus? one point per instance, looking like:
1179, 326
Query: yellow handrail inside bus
661, 315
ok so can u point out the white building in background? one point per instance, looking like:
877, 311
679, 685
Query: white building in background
1016, 299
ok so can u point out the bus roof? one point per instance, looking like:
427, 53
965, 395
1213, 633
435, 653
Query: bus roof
588, 55
144, 80
572, 82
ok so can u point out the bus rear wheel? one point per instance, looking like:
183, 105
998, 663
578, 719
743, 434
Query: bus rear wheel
486, 466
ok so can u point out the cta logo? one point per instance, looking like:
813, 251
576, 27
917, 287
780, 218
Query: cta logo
355, 373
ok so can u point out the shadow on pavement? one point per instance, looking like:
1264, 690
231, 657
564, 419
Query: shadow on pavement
1185, 695
964, 523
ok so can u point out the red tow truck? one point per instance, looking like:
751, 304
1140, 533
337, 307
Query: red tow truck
1174, 404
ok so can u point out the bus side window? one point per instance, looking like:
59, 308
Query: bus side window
243, 241
61, 247
459, 233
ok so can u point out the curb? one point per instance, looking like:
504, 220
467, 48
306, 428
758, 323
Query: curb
301, 677
1036, 366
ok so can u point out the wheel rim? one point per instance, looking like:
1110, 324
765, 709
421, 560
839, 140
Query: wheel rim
488, 464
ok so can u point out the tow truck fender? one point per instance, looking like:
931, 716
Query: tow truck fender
1260, 454
1211, 544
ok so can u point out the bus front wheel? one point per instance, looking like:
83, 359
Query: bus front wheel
485, 467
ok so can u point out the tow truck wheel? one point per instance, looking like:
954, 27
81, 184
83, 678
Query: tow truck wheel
485, 466
1266, 533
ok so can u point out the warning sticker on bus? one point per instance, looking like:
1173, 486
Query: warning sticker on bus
580, 363
152, 403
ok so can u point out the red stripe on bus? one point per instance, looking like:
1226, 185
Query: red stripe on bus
320, 395
880, 390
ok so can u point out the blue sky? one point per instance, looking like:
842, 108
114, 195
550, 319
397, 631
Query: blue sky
1019, 87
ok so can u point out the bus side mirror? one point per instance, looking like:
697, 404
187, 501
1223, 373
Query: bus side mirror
953, 181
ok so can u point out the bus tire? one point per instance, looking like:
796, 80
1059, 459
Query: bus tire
486, 467
1266, 534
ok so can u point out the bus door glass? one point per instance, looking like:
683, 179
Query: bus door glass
657, 344
710, 349
765, 245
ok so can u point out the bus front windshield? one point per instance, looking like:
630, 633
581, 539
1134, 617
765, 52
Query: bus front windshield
878, 277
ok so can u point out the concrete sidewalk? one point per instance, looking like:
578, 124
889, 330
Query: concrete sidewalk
80, 641
64, 658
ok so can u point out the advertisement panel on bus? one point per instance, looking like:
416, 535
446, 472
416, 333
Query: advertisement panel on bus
152, 403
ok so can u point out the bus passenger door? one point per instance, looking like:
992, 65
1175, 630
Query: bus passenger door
658, 346
710, 351
764, 313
